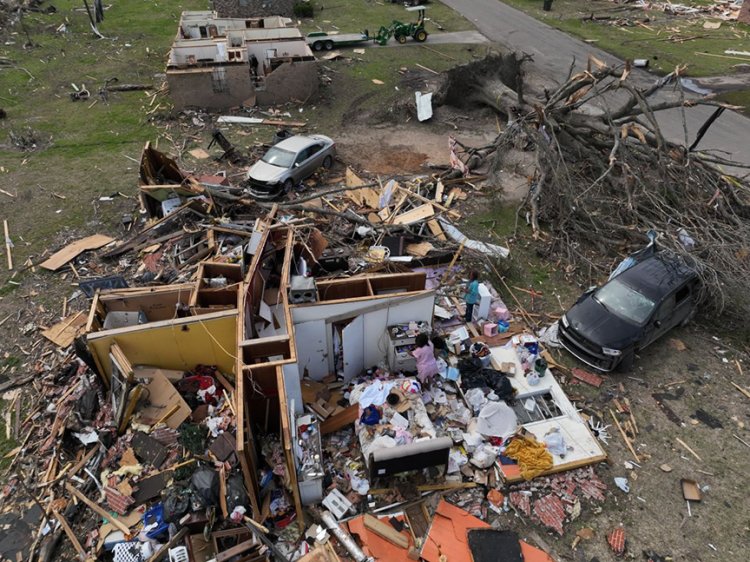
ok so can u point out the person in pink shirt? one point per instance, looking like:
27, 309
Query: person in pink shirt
425, 355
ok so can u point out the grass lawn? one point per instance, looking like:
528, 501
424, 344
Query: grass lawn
84, 144
666, 40
354, 16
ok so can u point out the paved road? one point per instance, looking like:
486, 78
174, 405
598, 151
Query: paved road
554, 51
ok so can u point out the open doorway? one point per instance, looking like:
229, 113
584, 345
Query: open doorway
347, 337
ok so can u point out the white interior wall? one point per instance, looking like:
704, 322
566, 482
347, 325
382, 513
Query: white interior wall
293, 387
379, 313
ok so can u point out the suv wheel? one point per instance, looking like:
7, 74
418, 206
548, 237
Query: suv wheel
288, 185
626, 363
328, 162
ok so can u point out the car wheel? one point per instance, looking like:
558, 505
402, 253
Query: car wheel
329, 45
328, 162
288, 185
401, 38
318, 46
626, 363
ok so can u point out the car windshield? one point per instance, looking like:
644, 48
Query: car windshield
624, 301
279, 157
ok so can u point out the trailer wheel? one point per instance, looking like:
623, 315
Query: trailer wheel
328, 45
318, 46
420, 36
401, 39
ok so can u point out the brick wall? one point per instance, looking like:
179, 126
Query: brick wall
744, 16
292, 81
196, 87
253, 8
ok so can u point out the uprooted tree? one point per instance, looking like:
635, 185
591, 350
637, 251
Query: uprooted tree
605, 174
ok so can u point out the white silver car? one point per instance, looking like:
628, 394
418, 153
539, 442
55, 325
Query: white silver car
288, 163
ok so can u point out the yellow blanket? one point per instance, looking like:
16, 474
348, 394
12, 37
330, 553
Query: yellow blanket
533, 458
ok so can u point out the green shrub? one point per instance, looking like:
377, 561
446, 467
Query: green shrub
303, 9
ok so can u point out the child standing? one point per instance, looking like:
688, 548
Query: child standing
472, 295
425, 356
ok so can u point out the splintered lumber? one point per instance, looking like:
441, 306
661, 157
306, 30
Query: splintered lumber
98, 510
69, 532
436, 230
415, 215
385, 531
63, 333
625, 437
69, 252
7, 244
681, 442
742, 390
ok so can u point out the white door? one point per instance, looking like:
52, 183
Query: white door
312, 348
353, 343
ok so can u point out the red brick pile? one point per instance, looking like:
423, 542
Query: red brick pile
554, 500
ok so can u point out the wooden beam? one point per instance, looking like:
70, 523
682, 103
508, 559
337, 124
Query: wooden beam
98, 510
625, 436
68, 531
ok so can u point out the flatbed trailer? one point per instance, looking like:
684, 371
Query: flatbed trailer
322, 41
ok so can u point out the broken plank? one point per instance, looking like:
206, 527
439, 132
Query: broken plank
69, 532
69, 252
415, 215
63, 333
436, 230
8, 245
385, 531
742, 390
681, 442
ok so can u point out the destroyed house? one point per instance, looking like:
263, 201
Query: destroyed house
218, 63
280, 349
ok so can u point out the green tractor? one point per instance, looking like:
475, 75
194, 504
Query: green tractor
401, 31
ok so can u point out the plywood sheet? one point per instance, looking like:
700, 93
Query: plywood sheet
162, 397
69, 252
63, 333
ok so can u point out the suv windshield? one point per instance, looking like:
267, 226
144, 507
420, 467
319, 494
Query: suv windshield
279, 157
624, 301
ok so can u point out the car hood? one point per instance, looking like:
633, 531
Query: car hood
266, 173
600, 326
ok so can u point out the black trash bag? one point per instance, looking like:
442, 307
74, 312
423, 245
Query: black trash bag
205, 485
87, 405
469, 365
488, 378
236, 493
176, 504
